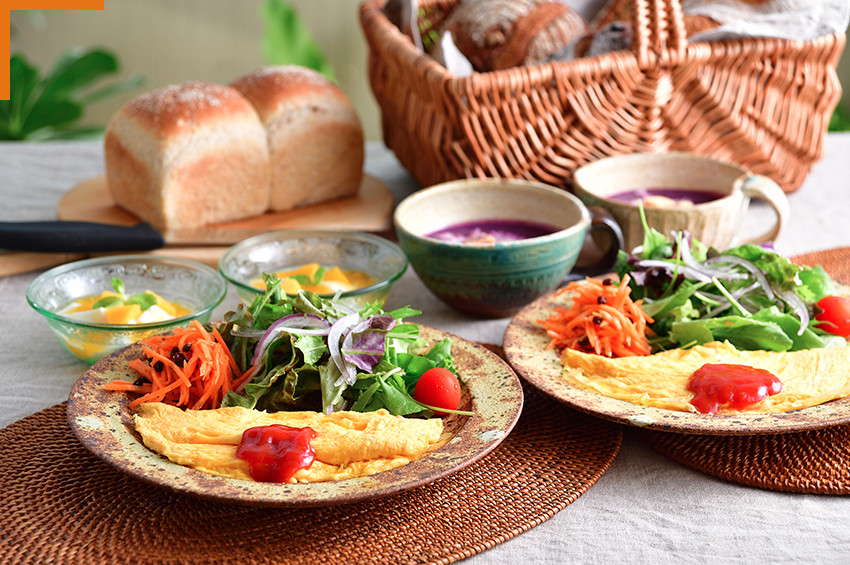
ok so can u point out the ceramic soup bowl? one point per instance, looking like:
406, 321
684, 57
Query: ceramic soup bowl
680, 191
504, 242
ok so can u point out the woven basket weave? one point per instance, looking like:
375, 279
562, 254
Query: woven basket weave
760, 102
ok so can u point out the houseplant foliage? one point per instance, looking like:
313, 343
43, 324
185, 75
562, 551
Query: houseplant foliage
287, 40
50, 106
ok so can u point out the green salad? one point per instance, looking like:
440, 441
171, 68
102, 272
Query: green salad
748, 295
306, 352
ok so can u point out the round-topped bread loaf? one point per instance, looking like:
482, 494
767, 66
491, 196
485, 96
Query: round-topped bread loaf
188, 155
315, 137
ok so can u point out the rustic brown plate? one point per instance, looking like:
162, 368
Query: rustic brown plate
103, 423
525, 349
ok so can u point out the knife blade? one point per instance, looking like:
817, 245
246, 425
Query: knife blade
56, 236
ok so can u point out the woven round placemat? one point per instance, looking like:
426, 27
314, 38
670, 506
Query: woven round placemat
60, 504
815, 462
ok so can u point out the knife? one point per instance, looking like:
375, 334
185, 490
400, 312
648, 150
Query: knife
78, 237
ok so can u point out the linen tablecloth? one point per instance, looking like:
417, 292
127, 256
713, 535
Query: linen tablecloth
645, 509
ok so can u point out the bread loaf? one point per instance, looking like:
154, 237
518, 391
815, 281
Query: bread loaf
188, 155
314, 135
501, 34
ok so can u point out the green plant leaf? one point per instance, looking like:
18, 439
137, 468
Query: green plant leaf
840, 119
55, 113
48, 108
133, 81
69, 133
287, 41
76, 69
23, 81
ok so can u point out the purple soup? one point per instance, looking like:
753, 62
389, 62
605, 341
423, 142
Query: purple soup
491, 231
666, 197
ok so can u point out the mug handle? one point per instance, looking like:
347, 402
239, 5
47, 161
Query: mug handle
605, 235
763, 188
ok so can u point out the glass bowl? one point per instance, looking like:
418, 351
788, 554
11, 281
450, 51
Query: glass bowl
187, 283
278, 251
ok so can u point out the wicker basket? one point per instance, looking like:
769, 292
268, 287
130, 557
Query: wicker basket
762, 103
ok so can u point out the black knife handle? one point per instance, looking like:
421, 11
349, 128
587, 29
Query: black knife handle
78, 237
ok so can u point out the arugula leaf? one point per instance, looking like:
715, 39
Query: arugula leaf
396, 398
364, 399
655, 244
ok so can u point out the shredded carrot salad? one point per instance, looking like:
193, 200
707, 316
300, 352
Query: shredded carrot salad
603, 319
190, 368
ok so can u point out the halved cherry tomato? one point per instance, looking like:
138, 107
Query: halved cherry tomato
438, 388
835, 315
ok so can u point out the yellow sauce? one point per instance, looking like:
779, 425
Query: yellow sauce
333, 280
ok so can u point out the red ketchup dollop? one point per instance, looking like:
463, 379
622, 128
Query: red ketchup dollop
733, 386
275, 453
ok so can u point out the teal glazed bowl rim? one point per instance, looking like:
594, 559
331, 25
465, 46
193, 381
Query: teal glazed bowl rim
294, 234
503, 248
147, 260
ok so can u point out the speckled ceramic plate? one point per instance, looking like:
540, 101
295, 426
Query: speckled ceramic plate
525, 349
103, 423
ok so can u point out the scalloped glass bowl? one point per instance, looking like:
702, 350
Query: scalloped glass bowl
278, 251
193, 285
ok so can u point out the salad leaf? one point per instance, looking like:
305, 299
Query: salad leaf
365, 344
331, 391
143, 299
749, 295
364, 360
312, 348
744, 333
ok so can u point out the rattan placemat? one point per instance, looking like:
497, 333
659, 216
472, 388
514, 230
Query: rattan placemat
60, 504
816, 462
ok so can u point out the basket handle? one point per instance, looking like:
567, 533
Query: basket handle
658, 29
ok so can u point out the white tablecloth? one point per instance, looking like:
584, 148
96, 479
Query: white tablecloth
645, 509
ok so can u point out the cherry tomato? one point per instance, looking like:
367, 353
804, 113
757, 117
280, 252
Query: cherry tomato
836, 315
439, 388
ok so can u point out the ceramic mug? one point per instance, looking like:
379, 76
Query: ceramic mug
496, 279
727, 190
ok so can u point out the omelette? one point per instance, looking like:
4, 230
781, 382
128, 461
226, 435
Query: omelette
809, 377
346, 444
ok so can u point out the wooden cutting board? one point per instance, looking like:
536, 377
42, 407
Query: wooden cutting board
90, 201
369, 210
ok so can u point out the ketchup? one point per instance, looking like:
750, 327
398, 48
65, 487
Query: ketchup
275, 453
735, 386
